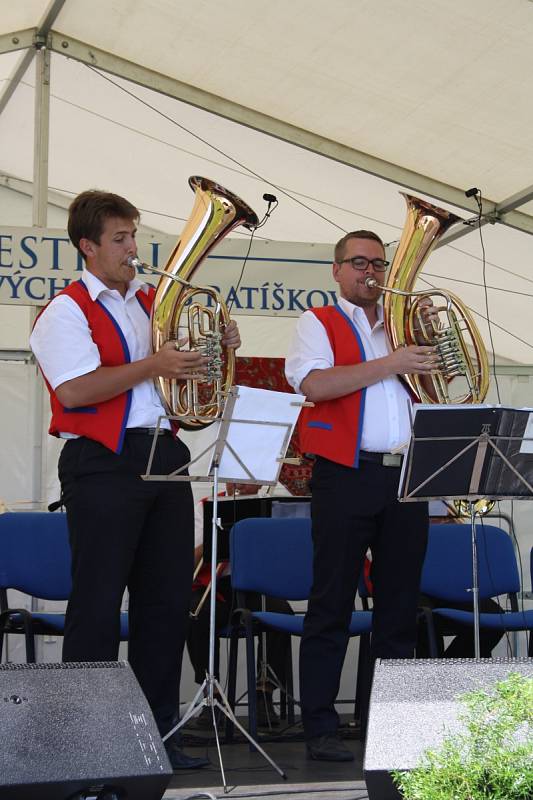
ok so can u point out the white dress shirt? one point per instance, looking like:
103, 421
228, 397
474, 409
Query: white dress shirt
62, 343
386, 420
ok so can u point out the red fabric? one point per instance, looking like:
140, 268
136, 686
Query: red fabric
203, 578
332, 428
367, 566
104, 422
269, 373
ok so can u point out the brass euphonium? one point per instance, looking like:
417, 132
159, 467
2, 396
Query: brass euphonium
177, 316
462, 354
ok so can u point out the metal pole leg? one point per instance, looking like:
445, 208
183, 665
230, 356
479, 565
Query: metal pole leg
475, 584
206, 695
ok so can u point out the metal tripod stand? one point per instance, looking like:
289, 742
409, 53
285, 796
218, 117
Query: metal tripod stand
278, 424
210, 694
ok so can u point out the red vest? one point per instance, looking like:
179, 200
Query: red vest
104, 422
333, 427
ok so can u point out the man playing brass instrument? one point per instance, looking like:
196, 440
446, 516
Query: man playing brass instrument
341, 360
92, 343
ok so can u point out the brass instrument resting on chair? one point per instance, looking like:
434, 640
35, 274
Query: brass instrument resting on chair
462, 354
177, 315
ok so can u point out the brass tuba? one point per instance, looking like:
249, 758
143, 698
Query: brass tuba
177, 315
463, 358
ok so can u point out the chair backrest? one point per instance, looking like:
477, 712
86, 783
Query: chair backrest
447, 570
35, 554
272, 557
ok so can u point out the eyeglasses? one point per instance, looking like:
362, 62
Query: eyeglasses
360, 262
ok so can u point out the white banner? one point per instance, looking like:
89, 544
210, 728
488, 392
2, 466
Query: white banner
278, 278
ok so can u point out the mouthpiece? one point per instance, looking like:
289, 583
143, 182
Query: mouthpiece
371, 283
136, 263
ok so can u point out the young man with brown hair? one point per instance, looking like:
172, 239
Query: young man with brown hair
92, 343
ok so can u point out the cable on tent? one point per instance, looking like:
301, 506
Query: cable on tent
483, 317
213, 147
479, 200
474, 192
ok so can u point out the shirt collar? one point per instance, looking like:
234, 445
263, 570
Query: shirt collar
357, 314
95, 287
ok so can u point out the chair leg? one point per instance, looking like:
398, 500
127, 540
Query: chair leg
290, 687
364, 684
30, 642
358, 682
284, 688
251, 678
2, 626
232, 679
28, 631
426, 617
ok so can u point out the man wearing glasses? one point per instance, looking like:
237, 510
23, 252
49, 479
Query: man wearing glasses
341, 360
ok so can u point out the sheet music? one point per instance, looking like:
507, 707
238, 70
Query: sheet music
259, 446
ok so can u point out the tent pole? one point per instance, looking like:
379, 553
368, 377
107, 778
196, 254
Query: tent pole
39, 219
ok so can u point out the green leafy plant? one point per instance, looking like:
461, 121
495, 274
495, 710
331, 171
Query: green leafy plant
491, 757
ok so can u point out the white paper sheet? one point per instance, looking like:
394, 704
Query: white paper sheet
258, 444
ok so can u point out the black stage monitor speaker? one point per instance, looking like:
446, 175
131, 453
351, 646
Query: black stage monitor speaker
71, 728
411, 704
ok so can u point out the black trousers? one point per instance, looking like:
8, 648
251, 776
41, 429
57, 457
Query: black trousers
277, 643
126, 532
353, 510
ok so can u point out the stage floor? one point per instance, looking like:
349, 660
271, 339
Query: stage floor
341, 790
250, 775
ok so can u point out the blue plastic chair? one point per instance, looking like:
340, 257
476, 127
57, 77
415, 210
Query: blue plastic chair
447, 575
35, 559
274, 557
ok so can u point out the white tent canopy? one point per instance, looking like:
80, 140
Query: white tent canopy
432, 96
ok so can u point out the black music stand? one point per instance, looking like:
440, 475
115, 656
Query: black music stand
470, 453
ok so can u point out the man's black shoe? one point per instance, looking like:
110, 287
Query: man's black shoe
204, 720
180, 760
328, 748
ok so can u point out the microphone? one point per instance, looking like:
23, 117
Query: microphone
270, 198
55, 505
472, 192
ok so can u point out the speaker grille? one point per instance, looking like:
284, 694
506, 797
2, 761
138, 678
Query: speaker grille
414, 704
67, 665
68, 726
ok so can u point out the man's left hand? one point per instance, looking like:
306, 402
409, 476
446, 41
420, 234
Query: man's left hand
430, 317
231, 336
429, 312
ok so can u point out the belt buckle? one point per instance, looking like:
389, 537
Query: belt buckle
392, 459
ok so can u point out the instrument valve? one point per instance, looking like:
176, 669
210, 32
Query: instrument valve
450, 353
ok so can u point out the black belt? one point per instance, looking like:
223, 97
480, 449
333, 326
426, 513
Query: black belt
150, 431
385, 459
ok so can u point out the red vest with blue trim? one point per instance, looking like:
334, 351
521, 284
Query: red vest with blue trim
104, 422
332, 428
